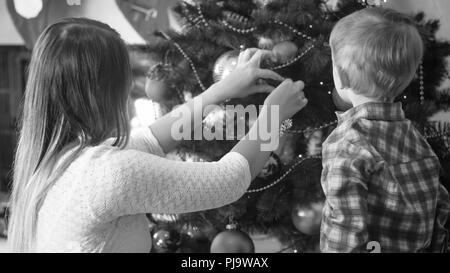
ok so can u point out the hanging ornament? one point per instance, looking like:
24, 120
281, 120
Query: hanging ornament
272, 168
166, 241
28, 9
268, 41
341, 105
285, 51
232, 240
226, 63
157, 90
221, 124
307, 218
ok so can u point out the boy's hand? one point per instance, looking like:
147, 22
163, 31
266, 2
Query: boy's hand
289, 97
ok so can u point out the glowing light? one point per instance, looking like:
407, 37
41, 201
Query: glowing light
146, 113
28, 8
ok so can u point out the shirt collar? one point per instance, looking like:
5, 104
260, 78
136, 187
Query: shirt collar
374, 111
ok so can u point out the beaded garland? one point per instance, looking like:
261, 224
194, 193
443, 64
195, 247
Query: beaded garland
301, 159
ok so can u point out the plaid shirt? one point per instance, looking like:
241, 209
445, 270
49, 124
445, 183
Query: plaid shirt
381, 182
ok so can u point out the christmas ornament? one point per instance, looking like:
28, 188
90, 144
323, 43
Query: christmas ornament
220, 124
226, 63
272, 167
285, 51
166, 240
268, 41
232, 241
307, 218
157, 90
341, 105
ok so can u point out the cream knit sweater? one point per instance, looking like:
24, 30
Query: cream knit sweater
100, 201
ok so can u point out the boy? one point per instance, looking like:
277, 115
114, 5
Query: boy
380, 176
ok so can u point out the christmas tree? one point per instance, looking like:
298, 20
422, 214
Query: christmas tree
285, 201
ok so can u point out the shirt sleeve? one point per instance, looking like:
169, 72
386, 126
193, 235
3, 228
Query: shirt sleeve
132, 182
440, 234
344, 220
141, 139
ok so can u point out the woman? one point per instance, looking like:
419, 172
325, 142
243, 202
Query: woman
82, 183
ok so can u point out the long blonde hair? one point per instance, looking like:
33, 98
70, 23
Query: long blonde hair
76, 95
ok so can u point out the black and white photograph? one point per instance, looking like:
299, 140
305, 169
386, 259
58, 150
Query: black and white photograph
207, 128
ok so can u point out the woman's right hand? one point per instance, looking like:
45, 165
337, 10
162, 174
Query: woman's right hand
243, 81
289, 97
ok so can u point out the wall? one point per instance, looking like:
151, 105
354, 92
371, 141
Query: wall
8, 32
102, 10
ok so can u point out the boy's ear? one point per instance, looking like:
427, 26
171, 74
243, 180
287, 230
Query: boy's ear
343, 76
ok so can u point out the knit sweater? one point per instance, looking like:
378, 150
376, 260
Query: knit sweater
99, 203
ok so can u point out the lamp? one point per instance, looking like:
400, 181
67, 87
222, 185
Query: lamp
28, 8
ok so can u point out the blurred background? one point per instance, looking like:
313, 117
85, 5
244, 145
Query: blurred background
21, 21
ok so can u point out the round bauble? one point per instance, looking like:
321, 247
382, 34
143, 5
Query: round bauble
157, 90
285, 51
219, 124
226, 63
166, 240
232, 241
307, 218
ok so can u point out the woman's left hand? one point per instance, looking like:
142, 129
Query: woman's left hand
243, 80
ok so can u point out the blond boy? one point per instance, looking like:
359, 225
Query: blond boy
380, 176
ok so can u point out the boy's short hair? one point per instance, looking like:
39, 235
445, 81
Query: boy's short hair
377, 52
